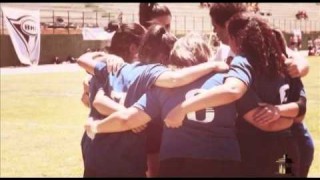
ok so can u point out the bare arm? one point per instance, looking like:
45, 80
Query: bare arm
86, 61
105, 105
85, 94
119, 121
297, 65
267, 112
277, 125
290, 110
172, 79
294, 110
230, 91
85, 99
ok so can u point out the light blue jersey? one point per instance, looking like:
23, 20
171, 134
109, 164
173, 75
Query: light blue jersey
126, 151
205, 134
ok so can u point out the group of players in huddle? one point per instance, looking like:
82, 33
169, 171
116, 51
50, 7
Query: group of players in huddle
167, 107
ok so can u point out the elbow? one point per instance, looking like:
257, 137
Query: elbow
274, 127
305, 71
87, 66
234, 92
175, 81
124, 117
268, 128
96, 105
80, 62
100, 108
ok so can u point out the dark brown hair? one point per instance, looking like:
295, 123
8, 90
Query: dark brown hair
281, 40
257, 42
125, 35
156, 45
222, 12
149, 11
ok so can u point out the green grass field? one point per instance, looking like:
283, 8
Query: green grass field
42, 123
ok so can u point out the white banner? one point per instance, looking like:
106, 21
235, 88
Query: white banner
96, 34
24, 30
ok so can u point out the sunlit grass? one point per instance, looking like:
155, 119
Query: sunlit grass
312, 86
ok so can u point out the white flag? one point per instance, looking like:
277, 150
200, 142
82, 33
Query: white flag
24, 30
96, 34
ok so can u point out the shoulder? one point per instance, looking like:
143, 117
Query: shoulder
239, 60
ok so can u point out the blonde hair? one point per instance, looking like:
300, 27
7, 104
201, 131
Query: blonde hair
190, 50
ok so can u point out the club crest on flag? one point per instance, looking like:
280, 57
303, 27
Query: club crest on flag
26, 29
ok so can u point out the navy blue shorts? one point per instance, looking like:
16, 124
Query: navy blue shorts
154, 137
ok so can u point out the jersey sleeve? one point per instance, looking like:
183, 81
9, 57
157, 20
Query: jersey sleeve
150, 104
296, 90
100, 71
241, 69
150, 76
303, 93
247, 102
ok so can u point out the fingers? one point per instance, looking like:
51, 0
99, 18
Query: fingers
175, 118
139, 129
85, 99
260, 112
293, 71
88, 128
264, 114
222, 66
115, 67
171, 124
114, 63
119, 65
265, 119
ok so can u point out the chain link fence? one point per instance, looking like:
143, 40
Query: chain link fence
71, 22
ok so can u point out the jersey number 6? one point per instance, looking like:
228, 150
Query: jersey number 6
202, 116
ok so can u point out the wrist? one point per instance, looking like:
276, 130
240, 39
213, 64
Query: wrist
215, 66
278, 109
183, 108
94, 128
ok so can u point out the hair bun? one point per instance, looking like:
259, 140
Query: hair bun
112, 26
